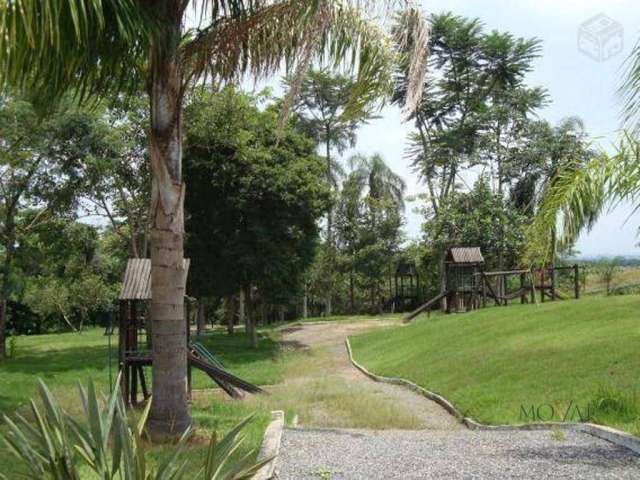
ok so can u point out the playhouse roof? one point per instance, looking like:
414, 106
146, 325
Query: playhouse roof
136, 284
465, 255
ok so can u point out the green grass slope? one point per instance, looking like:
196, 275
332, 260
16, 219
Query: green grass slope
64, 359
568, 360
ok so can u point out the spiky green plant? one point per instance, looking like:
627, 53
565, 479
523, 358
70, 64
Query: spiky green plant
56, 446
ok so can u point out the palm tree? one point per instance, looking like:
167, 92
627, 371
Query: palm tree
102, 48
376, 180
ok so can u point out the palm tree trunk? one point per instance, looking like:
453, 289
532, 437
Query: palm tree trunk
328, 308
170, 413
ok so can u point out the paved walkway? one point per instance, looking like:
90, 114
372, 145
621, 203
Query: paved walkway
442, 449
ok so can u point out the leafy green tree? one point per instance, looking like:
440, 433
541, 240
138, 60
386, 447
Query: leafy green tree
102, 48
325, 106
116, 181
63, 274
473, 101
263, 230
39, 164
480, 218
369, 222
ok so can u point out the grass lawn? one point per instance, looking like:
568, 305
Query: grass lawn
490, 363
63, 360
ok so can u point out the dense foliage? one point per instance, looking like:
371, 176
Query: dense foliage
253, 199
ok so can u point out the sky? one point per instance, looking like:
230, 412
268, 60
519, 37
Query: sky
577, 84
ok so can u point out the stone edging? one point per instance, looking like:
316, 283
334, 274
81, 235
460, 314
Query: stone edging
612, 435
270, 446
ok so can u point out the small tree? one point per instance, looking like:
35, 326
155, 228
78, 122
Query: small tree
607, 269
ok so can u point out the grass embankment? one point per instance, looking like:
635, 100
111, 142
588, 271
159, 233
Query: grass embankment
574, 355
63, 360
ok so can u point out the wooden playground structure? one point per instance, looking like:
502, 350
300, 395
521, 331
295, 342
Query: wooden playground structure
407, 287
134, 345
466, 286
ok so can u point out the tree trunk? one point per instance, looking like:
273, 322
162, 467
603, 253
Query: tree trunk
230, 313
305, 303
170, 413
4, 296
242, 316
201, 322
352, 301
250, 318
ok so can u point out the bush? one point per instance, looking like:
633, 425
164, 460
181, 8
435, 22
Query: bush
56, 445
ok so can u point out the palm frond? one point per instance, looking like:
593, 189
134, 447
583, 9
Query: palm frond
94, 47
573, 202
629, 92
295, 33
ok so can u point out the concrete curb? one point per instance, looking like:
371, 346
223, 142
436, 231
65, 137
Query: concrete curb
270, 446
609, 434
612, 435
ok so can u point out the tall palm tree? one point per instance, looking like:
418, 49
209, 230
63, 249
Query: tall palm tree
100, 48
376, 180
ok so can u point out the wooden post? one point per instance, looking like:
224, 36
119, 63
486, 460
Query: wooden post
123, 335
483, 284
553, 283
576, 280
523, 296
542, 285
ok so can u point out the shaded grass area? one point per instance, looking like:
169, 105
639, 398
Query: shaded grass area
568, 360
63, 360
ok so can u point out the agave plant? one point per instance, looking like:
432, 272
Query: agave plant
58, 446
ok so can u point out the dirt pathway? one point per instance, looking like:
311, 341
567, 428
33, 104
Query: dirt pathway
328, 339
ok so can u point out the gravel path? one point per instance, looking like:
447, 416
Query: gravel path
368, 455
